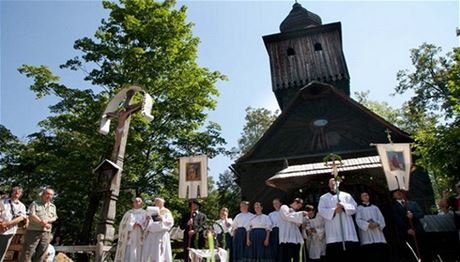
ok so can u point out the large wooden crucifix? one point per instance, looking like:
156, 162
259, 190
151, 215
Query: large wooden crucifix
121, 109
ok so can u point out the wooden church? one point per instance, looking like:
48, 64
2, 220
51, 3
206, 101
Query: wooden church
311, 83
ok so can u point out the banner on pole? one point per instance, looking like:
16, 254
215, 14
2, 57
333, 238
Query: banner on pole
396, 161
193, 177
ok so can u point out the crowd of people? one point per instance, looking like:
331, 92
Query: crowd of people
37, 222
338, 229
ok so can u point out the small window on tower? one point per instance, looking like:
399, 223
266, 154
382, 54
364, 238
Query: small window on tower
290, 51
318, 47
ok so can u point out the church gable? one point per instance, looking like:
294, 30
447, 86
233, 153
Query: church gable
320, 120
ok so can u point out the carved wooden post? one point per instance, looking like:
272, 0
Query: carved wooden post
108, 171
99, 252
112, 170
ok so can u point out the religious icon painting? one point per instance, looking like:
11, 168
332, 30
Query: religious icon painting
193, 171
396, 161
193, 177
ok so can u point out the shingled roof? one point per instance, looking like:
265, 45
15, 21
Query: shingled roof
319, 120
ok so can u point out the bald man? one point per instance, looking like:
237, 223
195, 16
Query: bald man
157, 244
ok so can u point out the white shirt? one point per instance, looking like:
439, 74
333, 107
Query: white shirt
365, 215
164, 225
129, 247
137, 217
289, 231
8, 211
339, 227
260, 221
157, 241
315, 242
242, 220
51, 254
226, 226
275, 217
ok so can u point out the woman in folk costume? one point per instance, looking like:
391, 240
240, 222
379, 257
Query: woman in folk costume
130, 233
157, 242
258, 234
370, 223
276, 220
313, 233
223, 228
239, 252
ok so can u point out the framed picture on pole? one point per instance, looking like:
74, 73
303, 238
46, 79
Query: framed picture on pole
396, 162
193, 177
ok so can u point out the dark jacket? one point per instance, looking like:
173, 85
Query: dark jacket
399, 214
198, 223
452, 202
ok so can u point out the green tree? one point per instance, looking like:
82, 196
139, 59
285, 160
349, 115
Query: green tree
383, 109
229, 192
429, 81
9, 148
142, 42
403, 117
435, 84
258, 120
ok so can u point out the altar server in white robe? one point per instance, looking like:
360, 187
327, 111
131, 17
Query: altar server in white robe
157, 243
290, 237
313, 233
240, 251
130, 233
370, 223
275, 218
341, 238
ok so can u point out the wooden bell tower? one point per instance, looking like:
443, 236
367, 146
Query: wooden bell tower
305, 50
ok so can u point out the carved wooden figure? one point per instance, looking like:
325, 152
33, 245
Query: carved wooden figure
123, 115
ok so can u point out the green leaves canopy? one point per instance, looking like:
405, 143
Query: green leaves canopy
142, 42
435, 82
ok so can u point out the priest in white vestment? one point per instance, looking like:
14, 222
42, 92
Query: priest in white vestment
130, 234
290, 237
341, 238
157, 242
370, 223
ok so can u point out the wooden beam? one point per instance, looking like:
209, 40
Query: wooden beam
80, 249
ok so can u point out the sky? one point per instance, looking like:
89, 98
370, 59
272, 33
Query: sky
377, 37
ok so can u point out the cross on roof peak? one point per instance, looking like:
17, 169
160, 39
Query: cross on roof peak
389, 135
